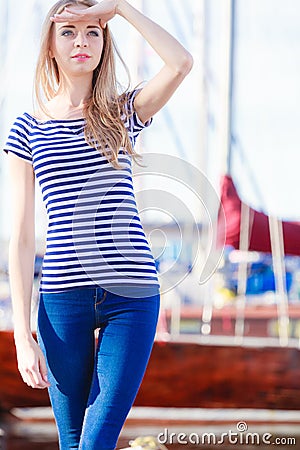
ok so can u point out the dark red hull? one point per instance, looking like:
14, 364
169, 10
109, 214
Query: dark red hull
188, 375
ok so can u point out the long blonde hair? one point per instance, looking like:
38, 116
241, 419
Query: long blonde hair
104, 127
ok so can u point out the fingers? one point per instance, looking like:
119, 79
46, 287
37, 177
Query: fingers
35, 376
63, 17
40, 383
69, 14
32, 363
104, 10
34, 379
43, 371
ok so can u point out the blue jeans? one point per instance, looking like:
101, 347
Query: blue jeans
92, 390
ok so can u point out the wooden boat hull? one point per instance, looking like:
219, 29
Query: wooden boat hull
188, 375
206, 376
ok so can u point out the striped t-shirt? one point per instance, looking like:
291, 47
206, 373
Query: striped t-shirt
94, 235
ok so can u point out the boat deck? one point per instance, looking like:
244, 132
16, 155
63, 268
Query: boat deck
34, 428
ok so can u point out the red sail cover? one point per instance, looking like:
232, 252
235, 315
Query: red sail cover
260, 235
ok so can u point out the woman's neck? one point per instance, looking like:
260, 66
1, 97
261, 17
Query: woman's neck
70, 99
75, 92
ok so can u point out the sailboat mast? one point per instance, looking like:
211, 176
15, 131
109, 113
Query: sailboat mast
226, 91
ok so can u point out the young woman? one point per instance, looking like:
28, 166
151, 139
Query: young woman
98, 271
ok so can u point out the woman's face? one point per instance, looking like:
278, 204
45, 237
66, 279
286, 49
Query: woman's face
77, 46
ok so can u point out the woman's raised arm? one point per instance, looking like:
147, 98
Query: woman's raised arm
177, 60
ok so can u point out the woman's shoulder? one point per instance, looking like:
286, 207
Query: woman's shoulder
28, 122
129, 96
40, 115
24, 121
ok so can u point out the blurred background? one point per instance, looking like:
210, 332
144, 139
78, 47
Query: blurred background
225, 155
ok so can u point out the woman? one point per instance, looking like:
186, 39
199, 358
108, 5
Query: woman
98, 271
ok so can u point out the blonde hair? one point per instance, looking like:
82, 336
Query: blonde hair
104, 128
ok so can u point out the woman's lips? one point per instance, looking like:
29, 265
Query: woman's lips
81, 57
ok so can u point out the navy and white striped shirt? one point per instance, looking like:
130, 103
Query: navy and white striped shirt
94, 236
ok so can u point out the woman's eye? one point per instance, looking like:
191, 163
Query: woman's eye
67, 33
94, 33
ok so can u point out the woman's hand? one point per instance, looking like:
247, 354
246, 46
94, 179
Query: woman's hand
104, 11
31, 363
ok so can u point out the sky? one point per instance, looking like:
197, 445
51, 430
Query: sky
265, 157
265, 135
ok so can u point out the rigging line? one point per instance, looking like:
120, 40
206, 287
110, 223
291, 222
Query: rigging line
232, 68
171, 126
15, 44
189, 13
170, 7
3, 48
178, 26
165, 111
236, 143
174, 133
185, 11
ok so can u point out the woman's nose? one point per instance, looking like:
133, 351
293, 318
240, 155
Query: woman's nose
81, 40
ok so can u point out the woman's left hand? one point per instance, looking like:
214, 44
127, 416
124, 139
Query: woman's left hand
104, 11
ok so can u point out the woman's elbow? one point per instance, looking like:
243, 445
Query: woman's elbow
23, 239
186, 65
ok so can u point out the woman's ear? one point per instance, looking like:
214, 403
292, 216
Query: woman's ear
51, 53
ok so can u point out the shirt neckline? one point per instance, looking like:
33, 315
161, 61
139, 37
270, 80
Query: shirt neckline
39, 121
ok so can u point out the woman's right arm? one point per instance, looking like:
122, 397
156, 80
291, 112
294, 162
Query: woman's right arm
31, 362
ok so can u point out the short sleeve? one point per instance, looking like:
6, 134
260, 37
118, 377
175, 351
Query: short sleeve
133, 123
18, 140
